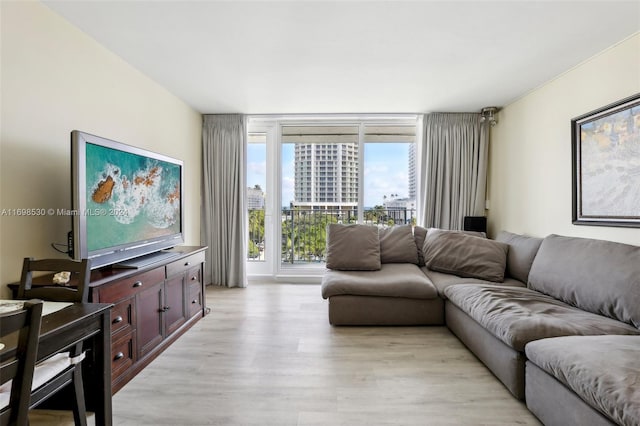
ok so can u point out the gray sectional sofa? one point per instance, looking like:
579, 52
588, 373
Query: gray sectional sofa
557, 320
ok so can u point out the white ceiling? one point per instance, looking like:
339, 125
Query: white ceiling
352, 56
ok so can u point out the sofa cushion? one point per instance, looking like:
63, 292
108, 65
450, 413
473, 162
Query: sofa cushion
518, 316
353, 247
393, 280
522, 251
602, 370
465, 255
441, 281
602, 277
397, 245
419, 234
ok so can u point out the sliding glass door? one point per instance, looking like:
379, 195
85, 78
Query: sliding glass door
319, 187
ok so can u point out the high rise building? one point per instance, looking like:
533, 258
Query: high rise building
412, 171
326, 176
255, 198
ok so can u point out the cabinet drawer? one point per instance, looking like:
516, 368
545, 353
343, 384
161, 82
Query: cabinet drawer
122, 354
123, 315
194, 302
182, 265
193, 276
127, 287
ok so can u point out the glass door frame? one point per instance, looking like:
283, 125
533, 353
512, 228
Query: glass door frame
264, 269
271, 125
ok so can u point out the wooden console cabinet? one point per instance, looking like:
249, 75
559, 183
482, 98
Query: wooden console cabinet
153, 306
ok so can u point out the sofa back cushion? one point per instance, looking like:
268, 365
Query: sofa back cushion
597, 276
465, 255
397, 245
419, 234
353, 247
522, 251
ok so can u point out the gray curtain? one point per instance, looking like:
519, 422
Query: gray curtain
454, 169
224, 199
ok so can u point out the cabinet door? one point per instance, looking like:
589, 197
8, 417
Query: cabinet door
149, 303
174, 310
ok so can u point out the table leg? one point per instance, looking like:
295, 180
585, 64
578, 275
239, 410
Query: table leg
103, 413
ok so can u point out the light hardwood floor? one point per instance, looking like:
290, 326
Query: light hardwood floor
266, 355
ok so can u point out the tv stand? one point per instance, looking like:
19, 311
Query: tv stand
153, 306
146, 260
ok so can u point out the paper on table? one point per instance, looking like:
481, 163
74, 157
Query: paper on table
51, 307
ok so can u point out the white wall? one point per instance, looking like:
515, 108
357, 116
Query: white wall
54, 79
530, 156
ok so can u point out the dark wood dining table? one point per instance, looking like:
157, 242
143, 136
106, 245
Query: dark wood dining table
89, 323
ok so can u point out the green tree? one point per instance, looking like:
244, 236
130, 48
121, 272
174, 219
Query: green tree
377, 214
254, 251
256, 225
256, 232
304, 234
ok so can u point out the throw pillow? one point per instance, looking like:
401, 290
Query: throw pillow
353, 247
397, 245
437, 231
466, 255
420, 233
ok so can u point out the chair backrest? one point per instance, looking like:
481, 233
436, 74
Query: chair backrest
53, 292
19, 334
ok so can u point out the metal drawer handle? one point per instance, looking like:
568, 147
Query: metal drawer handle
193, 278
194, 301
116, 320
165, 308
137, 284
187, 263
118, 356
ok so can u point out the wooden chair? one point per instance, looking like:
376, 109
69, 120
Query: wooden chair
62, 369
17, 361
55, 292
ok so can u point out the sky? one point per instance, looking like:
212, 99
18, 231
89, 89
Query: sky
386, 168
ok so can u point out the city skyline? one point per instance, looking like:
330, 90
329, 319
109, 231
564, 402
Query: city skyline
386, 171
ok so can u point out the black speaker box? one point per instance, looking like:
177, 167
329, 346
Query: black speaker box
475, 223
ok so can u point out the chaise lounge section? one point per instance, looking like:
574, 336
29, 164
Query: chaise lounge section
373, 278
396, 294
592, 380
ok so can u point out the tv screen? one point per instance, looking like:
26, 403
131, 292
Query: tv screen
127, 202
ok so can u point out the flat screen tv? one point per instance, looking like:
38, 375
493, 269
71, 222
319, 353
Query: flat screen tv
127, 202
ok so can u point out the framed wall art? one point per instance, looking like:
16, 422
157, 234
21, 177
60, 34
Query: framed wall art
606, 165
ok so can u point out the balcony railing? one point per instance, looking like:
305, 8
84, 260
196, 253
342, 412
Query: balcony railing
304, 231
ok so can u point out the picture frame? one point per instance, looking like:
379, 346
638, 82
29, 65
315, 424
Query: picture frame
606, 165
